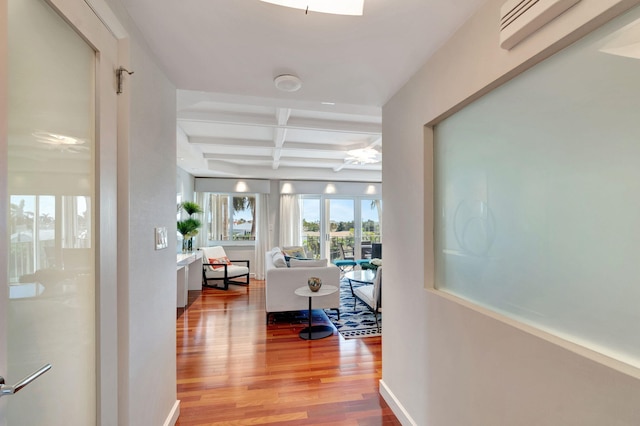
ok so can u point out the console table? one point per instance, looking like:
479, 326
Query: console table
189, 275
314, 332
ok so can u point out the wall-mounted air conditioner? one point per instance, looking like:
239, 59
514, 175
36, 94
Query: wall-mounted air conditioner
521, 18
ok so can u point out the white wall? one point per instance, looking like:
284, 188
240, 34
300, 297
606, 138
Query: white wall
152, 279
185, 185
146, 277
461, 365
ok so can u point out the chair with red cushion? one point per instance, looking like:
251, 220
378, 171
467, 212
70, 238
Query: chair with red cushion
216, 266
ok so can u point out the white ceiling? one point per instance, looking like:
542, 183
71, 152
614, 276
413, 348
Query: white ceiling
224, 54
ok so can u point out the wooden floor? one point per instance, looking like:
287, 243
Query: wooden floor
233, 369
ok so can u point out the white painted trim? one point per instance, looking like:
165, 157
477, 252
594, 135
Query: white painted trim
365, 189
172, 418
569, 345
4, 194
232, 186
107, 17
395, 405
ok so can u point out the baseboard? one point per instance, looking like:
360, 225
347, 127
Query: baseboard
172, 418
395, 406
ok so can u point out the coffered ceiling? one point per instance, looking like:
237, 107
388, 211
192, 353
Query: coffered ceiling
223, 56
263, 138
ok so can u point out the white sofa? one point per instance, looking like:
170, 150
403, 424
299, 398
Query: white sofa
281, 282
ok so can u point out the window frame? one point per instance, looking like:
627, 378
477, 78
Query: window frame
206, 221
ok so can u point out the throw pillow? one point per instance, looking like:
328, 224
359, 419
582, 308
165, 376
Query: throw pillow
218, 263
295, 251
278, 260
306, 263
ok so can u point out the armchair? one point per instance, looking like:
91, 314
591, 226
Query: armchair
370, 295
216, 266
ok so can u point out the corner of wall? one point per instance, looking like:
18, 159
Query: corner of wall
172, 418
396, 406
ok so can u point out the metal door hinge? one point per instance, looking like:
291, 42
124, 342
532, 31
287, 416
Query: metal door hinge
119, 78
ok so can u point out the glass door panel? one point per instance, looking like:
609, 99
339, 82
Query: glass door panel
341, 243
370, 230
311, 226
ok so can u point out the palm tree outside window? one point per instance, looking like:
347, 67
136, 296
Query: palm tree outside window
229, 217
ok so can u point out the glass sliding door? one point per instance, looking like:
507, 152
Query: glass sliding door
340, 228
341, 215
370, 229
311, 226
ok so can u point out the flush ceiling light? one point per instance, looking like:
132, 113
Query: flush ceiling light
336, 7
287, 83
363, 156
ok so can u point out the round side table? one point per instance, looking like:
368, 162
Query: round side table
314, 332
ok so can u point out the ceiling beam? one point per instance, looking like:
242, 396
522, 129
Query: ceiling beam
221, 169
282, 116
376, 142
316, 124
279, 135
313, 163
321, 162
213, 141
340, 167
207, 141
193, 98
236, 158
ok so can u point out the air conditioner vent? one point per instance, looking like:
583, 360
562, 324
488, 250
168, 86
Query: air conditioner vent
521, 18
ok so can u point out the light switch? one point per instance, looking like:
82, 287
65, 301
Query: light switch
161, 238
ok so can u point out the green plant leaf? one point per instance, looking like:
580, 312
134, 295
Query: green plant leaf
188, 227
191, 208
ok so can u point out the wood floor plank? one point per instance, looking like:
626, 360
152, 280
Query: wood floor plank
234, 369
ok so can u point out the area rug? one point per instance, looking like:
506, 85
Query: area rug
353, 324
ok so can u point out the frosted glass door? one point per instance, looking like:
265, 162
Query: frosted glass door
51, 246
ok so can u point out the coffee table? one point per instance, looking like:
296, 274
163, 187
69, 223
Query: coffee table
364, 276
314, 332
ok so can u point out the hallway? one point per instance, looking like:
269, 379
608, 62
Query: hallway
234, 370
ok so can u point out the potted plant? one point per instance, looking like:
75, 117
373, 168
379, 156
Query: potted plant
189, 226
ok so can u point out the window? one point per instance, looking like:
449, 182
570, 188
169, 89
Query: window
44, 229
229, 217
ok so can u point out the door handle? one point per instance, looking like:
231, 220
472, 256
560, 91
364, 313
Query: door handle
6, 390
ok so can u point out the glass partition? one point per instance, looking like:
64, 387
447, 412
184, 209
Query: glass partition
538, 195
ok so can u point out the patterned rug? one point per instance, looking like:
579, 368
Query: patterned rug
353, 324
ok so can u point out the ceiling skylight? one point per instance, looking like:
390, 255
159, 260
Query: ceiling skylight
336, 7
